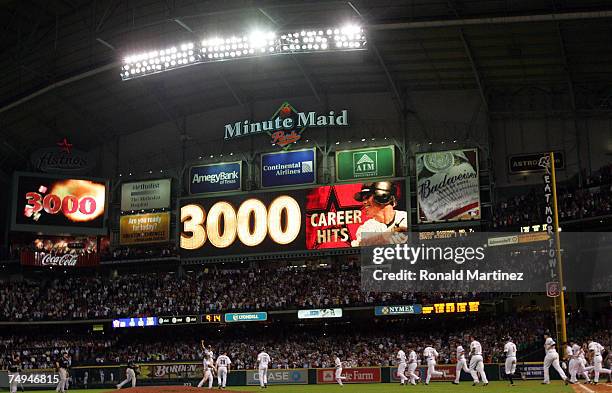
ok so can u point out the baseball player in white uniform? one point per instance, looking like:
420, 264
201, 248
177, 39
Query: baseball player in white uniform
263, 359
552, 358
510, 365
338, 365
595, 350
401, 367
223, 368
412, 365
572, 361
430, 354
477, 363
583, 369
461, 364
209, 367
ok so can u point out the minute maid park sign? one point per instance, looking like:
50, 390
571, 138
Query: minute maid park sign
286, 125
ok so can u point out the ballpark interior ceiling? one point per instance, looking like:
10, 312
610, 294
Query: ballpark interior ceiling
61, 60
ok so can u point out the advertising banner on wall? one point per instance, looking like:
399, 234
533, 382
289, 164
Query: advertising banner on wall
398, 310
288, 168
170, 371
246, 317
527, 163
339, 216
448, 188
371, 162
279, 377
145, 195
144, 228
527, 370
320, 313
351, 375
55, 204
211, 178
61, 251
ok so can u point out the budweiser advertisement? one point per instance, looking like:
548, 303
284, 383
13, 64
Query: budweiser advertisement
54, 204
60, 251
351, 375
447, 186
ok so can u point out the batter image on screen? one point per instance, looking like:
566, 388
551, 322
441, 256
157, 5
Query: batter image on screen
385, 224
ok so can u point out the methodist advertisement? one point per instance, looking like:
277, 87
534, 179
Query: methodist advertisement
214, 178
447, 186
339, 216
144, 228
54, 204
145, 195
366, 163
288, 168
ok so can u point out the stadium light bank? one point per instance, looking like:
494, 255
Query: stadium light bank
255, 44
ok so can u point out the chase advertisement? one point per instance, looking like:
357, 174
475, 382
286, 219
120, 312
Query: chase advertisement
213, 178
57, 204
279, 377
288, 168
448, 188
326, 217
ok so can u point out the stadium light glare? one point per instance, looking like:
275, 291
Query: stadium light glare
255, 44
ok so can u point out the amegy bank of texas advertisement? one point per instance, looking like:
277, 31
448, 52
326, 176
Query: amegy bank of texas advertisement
324, 217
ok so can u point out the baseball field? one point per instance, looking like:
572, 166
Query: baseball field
437, 387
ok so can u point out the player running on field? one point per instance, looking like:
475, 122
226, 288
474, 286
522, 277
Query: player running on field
461, 364
430, 354
476, 362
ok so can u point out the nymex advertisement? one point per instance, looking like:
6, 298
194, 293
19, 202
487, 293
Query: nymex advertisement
325, 217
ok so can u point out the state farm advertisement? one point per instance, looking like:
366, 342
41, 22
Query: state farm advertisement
353, 215
351, 375
55, 204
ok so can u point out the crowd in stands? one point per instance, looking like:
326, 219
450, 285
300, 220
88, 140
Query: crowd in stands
206, 290
296, 349
593, 199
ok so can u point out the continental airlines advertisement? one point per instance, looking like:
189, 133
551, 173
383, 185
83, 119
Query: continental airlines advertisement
325, 217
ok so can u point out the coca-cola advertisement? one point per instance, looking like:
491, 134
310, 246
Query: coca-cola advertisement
60, 251
448, 188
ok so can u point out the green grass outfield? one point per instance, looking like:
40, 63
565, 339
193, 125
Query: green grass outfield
434, 387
